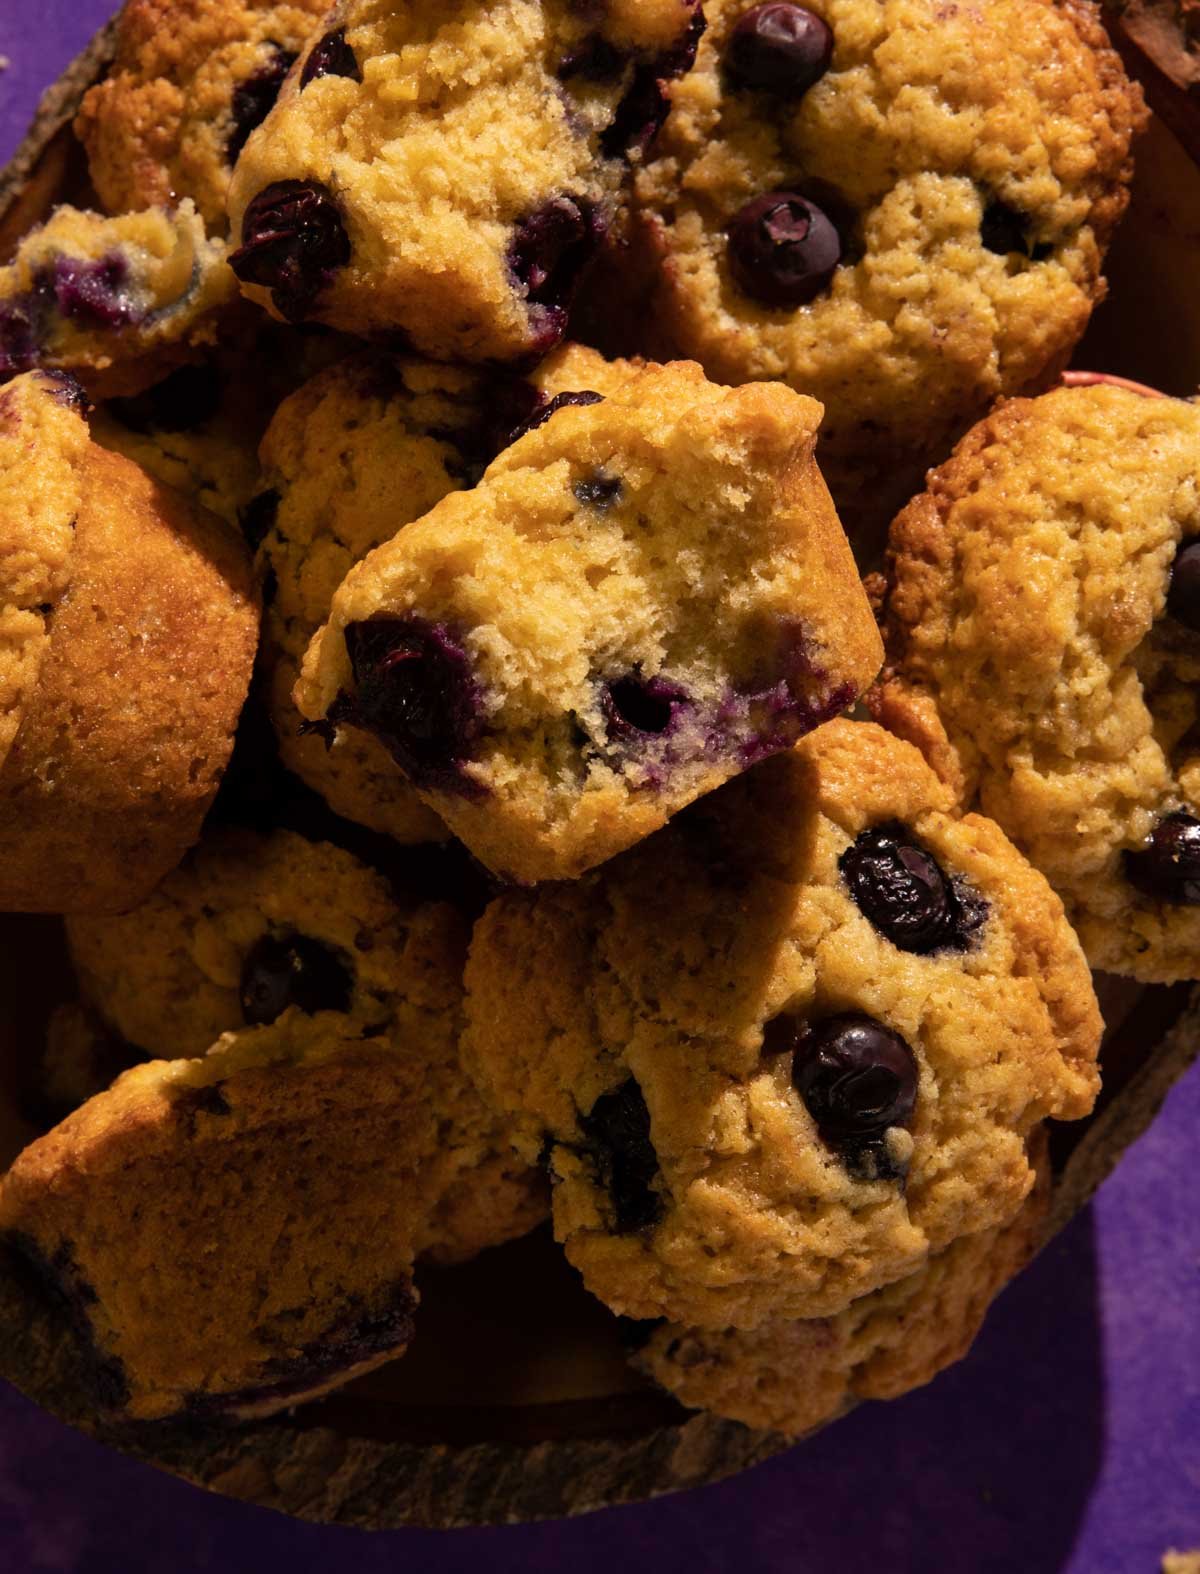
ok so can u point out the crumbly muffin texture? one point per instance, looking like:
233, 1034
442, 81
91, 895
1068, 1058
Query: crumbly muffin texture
116, 301
645, 594
253, 924
792, 1046
445, 171
123, 740
361, 450
792, 1377
43, 440
190, 81
1047, 566
967, 166
237, 1233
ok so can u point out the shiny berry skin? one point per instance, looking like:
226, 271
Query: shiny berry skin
416, 691
291, 970
598, 490
617, 1129
254, 99
779, 48
1167, 867
293, 241
856, 1076
782, 249
549, 250
330, 56
544, 411
1183, 595
904, 892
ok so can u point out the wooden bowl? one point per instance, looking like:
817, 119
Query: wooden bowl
514, 1402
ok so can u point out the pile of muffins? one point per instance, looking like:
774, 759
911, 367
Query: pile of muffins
439, 690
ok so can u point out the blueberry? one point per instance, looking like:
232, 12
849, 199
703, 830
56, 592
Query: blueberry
291, 970
595, 60
416, 692
634, 704
66, 389
779, 48
330, 56
186, 399
549, 250
1005, 230
254, 99
856, 1076
94, 293
597, 490
549, 407
639, 116
617, 1129
1183, 594
782, 249
257, 519
1167, 867
293, 241
905, 893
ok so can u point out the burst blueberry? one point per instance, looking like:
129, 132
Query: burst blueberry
617, 1129
331, 56
550, 249
903, 890
293, 242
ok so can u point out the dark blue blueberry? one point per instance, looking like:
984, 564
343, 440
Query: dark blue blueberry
783, 249
293, 242
549, 407
1183, 595
66, 389
254, 99
598, 490
905, 893
550, 249
415, 690
291, 969
617, 1129
645, 105
635, 705
1167, 867
92, 293
1005, 230
330, 56
779, 48
186, 399
856, 1076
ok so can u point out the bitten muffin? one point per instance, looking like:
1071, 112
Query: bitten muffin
251, 925
188, 84
900, 207
117, 302
789, 1048
235, 1234
792, 1377
646, 593
123, 680
1043, 625
361, 450
445, 171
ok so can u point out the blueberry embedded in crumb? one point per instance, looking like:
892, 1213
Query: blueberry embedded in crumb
617, 1129
598, 490
779, 48
257, 518
67, 390
415, 690
254, 99
331, 56
181, 402
291, 969
1167, 867
544, 411
904, 892
293, 242
93, 293
783, 249
1004, 230
549, 250
645, 105
1183, 593
858, 1080
634, 704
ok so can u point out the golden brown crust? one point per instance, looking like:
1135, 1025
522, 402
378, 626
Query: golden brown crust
125, 737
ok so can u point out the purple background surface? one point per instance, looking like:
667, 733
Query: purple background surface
1067, 1443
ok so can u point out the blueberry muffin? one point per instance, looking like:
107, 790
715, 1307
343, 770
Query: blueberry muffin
118, 301
788, 1049
792, 1377
364, 448
445, 171
646, 593
235, 1234
900, 207
189, 82
251, 925
133, 622
1053, 567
